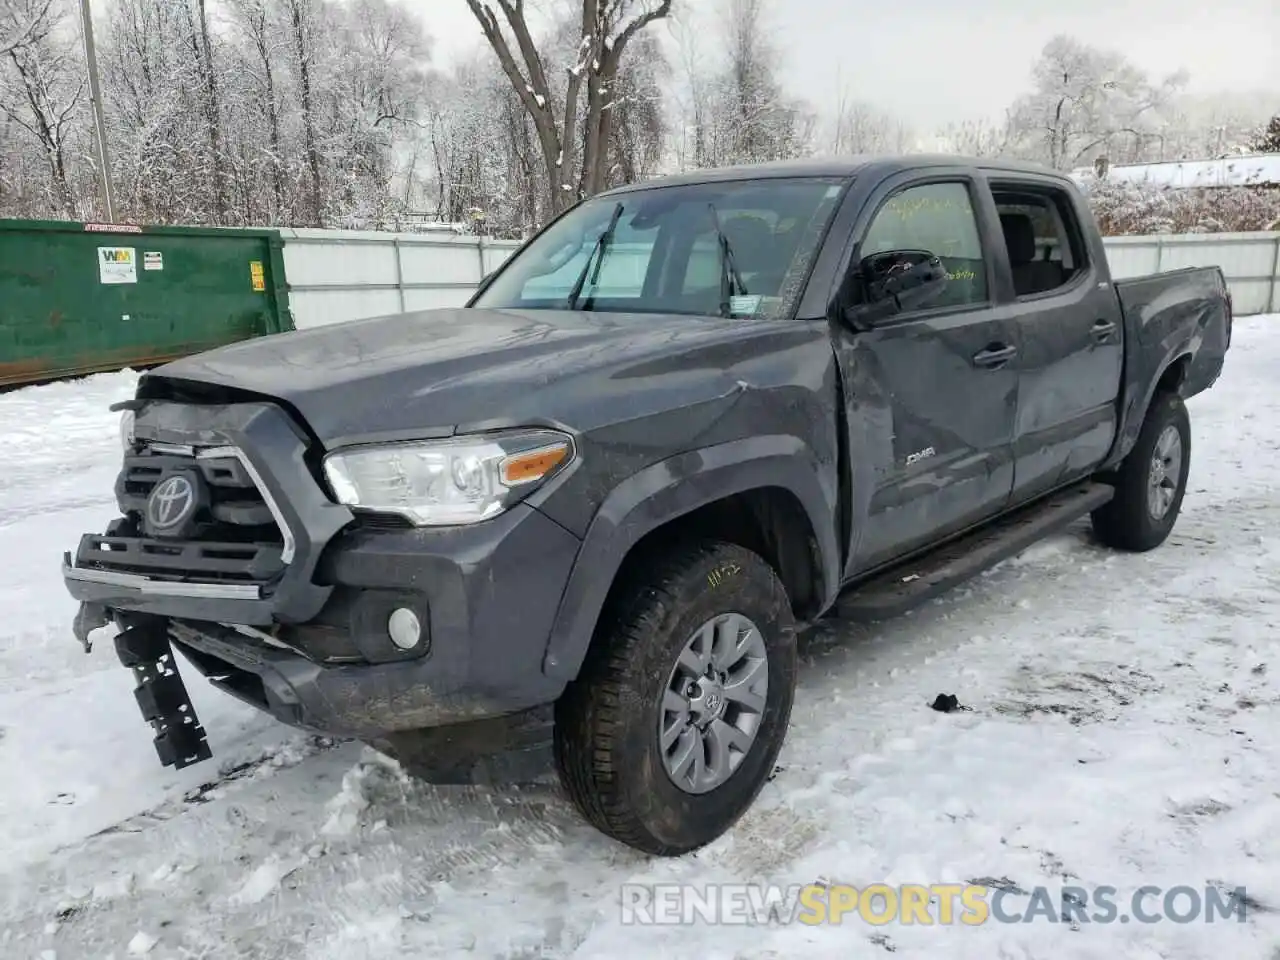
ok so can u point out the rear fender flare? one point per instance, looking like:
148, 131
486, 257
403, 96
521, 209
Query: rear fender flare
672, 488
1133, 413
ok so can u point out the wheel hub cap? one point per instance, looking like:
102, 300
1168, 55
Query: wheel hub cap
1165, 472
713, 703
707, 702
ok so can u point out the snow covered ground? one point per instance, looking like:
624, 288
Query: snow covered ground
1122, 731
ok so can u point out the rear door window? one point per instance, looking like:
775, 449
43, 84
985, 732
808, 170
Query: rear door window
1041, 235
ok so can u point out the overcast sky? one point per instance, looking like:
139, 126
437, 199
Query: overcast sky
934, 61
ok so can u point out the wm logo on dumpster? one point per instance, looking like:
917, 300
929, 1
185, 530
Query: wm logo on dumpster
117, 265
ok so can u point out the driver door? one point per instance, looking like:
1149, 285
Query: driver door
931, 393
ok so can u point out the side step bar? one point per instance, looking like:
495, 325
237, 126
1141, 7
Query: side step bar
909, 584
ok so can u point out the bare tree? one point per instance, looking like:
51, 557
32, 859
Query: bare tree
302, 27
859, 127
21, 21
1194, 129
263, 35
41, 91
1086, 101
751, 92
607, 27
376, 89
738, 111
486, 156
976, 138
328, 112
203, 54
639, 120
691, 101
158, 113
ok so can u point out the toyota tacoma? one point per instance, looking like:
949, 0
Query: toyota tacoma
685, 418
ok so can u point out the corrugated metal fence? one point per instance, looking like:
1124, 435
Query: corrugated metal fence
337, 275
1250, 261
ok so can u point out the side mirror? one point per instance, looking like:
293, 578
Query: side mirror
888, 283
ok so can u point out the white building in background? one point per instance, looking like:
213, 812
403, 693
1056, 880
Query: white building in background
1248, 170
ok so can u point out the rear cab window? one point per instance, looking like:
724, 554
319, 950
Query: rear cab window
1041, 234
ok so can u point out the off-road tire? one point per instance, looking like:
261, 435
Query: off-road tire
606, 744
1126, 522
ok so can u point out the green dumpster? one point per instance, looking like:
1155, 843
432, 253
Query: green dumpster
79, 298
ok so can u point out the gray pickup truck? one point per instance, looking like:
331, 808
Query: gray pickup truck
687, 417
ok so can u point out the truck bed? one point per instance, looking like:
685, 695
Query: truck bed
1177, 320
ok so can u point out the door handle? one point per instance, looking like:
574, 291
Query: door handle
1102, 329
996, 355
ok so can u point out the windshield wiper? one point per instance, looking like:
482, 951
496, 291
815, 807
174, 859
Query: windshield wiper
597, 254
729, 275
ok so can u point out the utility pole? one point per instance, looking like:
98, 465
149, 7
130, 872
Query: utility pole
95, 93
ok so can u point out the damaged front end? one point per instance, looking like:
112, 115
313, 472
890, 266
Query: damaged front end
162, 697
142, 644
208, 531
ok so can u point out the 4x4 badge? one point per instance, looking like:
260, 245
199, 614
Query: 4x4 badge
171, 502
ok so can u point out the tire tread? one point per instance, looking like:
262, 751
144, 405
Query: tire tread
589, 714
1123, 523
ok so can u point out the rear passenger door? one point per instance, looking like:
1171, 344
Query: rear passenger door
930, 393
1070, 328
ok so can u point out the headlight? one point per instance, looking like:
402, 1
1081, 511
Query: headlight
127, 438
447, 482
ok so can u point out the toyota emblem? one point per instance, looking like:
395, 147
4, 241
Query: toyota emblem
170, 503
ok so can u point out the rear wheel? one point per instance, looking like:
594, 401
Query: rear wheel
673, 726
1151, 481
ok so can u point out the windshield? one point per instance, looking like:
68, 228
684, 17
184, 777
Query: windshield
741, 249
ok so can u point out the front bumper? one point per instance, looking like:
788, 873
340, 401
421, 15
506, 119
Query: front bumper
486, 595
311, 647
365, 701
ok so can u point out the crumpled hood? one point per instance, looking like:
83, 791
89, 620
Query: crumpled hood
428, 373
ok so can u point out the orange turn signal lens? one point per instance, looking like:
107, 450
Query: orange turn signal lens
533, 465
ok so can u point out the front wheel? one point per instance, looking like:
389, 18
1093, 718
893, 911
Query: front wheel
1151, 481
673, 726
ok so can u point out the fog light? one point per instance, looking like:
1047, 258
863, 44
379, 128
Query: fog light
403, 628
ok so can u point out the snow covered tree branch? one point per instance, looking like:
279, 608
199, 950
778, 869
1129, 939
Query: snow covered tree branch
606, 29
331, 113
20, 21
739, 111
41, 92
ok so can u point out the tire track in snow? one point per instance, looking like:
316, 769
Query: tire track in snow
213, 789
421, 850
197, 860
